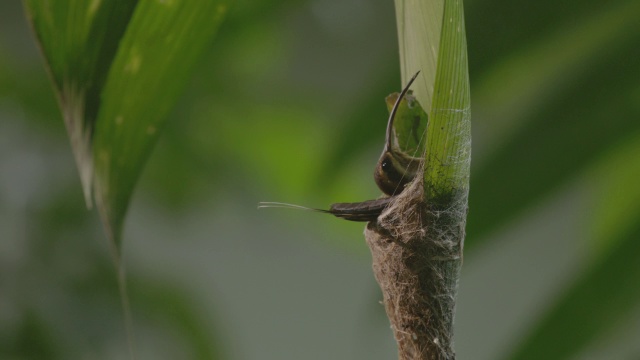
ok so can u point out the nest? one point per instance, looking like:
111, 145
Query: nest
417, 255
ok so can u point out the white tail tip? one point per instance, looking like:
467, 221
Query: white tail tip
273, 204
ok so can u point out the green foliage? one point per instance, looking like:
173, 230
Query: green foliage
604, 294
118, 67
79, 40
554, 103
548, 115
556, 106
446, 80
419, 35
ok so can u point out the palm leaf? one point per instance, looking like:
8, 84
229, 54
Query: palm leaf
118, 67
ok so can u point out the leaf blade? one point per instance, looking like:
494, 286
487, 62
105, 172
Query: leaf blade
562, 134
448, 155
432, 39
153, 64
79, 39
419, 30
603, 294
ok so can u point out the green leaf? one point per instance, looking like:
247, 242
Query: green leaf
550, 130
79, 39
448, 155
118, 67
154, 61
419, 30
432, 39
607, 292
617, 206
600, 297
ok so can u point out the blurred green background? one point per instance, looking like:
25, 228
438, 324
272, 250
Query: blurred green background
288, 105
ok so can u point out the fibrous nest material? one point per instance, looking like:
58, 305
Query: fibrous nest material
417, 254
